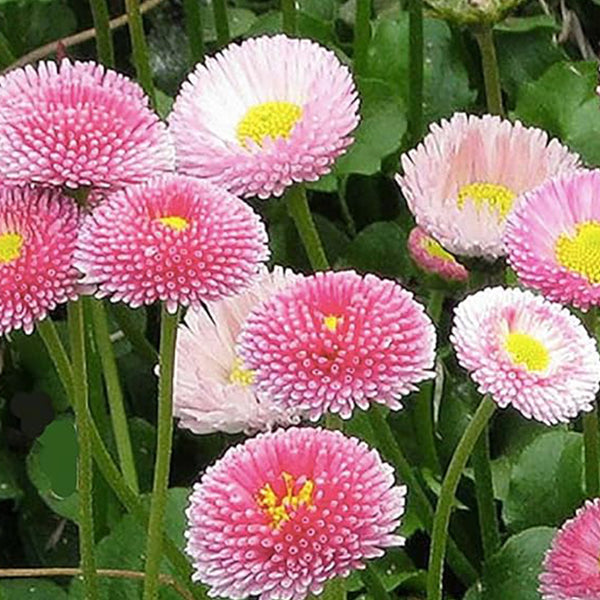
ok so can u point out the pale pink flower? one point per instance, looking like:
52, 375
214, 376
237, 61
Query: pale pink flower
432, 258
264, 114
38, 234
571, 570
529, 352
553, 239
333, 341
283, 513
176, 239
462, 180
78, 124
213, 391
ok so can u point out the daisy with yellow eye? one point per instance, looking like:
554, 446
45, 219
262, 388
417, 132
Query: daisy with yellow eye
262, 115
528, 352
462, 181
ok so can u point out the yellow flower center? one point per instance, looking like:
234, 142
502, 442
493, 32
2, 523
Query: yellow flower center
489, 195
10, 247
175, 223
240, 375
279, 509
433, 248
273, 119
581, 253
526, 350
331, 322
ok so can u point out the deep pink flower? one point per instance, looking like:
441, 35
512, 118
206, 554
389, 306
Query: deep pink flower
264, 114
78, 124
284, 512
175, 239
38, 234
335, 340
571, 570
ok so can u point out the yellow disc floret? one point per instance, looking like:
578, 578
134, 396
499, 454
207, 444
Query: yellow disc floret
240, 375
524, 349
487, 195
273, 119
175, 223
280, 510
331, 322
10, 247
434, 249
581, 253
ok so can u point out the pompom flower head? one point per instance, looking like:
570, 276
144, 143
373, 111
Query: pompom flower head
553, 239
432, 258
283, 513
528, 352
213, 391
335, 340
38, 234
571, 570
175, 239
462, 181
78, 124
264, 114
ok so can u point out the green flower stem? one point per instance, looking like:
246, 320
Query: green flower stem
194, 29
84, 460
115, 395
128, 498
373, 583
484, 490
491, 74
392, 452
140, 48
104, 44
441, 521
221, 21
288, 9
164, 439
136, 338
590, 431
362, 34
299, 210
415, 73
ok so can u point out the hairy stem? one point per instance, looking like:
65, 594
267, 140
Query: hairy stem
104, 44
491, 74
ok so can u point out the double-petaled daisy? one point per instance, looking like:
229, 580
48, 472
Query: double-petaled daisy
462, 181
529, 352
264, 114
285, 512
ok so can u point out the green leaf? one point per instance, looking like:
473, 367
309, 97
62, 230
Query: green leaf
9, 484
381, 129
379, 248
143, 442
31, 589
546, 481
564, 102
392, 569
513, 572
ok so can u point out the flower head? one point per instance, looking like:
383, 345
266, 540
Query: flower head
213, 391
528, 352
462, 181
571, 570
432, 258
284, 512
175, 239
335, 340
553, 239
38, 234
78, 124
264, 114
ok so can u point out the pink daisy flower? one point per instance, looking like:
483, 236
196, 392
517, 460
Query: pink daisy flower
571, 570
432, 258
553, 239
78, 124
38, 234
264, 114
213, 391
283, 513
462, 181
526, 351
335, 340
175, 239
